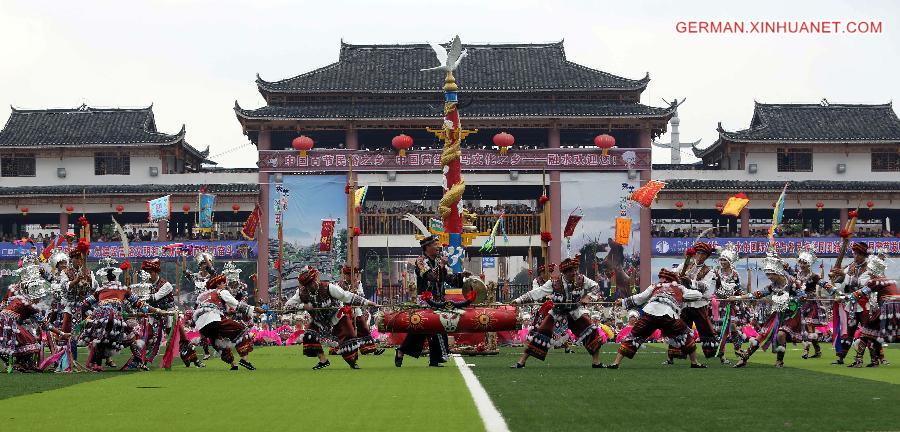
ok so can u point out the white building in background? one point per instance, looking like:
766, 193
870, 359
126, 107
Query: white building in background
101, 161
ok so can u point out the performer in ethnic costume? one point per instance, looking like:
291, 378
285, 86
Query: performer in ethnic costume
106, 331
882, 322
237, 289
66, 294
332, 318
699, 277
162, 296
731, 316
205, 270
812, 311
661, 306
211, 321
845, 281
785, 322
571, 292
432, 274
25, 307
560, 331
361, 316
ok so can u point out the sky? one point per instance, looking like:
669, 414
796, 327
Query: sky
193, 59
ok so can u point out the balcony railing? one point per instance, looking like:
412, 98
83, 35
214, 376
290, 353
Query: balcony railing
393, 224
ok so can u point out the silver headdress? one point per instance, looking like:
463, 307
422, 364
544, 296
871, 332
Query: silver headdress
807, 254
204, 257
58, 256
142, 289
31, 283
875, 265
231, 272
772, 264
729, 253
107, 264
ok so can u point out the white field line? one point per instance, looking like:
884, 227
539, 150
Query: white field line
493, 421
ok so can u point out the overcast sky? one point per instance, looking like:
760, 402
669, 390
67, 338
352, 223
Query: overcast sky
193, 59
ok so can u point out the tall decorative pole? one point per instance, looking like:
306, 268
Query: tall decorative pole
452, 134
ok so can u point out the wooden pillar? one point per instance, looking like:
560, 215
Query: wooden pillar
555, 202
351, 139
262, 235
352, 143
844, 217
163, 227
63, 223
745, 222
646, 251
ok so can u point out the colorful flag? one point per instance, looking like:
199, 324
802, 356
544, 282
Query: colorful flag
360, 196
623, 230
159, 209
645, 194
327, 234
735, 204
777, 214
207, 204
251, 224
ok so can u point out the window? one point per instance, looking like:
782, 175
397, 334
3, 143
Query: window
885, 161
17, 165
107, 163
794, 159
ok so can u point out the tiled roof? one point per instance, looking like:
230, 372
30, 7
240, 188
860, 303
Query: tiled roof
396, 69
475, 109
776, 186
146, 189
823, 122
88, 126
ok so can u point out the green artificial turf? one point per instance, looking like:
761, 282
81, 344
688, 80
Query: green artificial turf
565, 394
282, 394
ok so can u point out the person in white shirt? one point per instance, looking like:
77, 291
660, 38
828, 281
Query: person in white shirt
662, 304
566, 299
211, 321
696, 313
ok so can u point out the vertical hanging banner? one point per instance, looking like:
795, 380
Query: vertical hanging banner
207, 203
251, 224
623, 230
327, 234
160, 208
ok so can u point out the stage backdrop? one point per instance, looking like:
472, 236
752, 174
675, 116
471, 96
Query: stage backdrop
599, 196
310, 198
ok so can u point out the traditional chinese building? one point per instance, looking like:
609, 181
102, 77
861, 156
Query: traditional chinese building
833, 157
57, 165
554, 108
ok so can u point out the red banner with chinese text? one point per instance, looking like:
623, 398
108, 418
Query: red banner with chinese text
251, 224
327, 233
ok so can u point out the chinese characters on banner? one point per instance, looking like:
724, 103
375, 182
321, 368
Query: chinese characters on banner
231, 250
160, 208
327, 234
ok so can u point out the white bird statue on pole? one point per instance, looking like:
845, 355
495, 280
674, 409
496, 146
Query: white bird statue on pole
449, 60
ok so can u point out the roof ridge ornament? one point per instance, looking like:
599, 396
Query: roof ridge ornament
825, 102
449, 59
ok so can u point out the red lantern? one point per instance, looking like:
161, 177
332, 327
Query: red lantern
69, 209
679, 205
120, 208
605, 142
402, 143
302, 143
820, 205
870, 204
185, 208
24, 210
544, 199
504, 140
546, 237
852, 213
356, 231
235, 208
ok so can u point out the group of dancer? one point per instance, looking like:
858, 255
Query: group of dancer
792, 307
61, 304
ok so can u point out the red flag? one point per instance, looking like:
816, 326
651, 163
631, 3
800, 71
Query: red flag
571, 224
645, 194
252, 223
172, 345
327, 233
